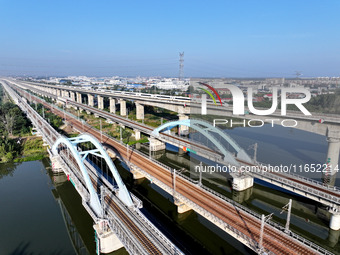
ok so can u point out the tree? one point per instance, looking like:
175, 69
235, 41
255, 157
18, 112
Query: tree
8, 120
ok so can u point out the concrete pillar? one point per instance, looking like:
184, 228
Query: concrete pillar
335, 221
136, 174
122, 107
181, 207
241, 196
333, 237
183, 129
56, 167
90, 99
137, 134
59, 93
100, 102
155, 144
112, 105
333, 153
73, 96
242, 182
139, 111
332, 160
79, 99
108, 241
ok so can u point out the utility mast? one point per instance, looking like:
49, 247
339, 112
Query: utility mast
298, 74
181, 65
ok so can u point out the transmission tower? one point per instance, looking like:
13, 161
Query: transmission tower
298, 74
181, 65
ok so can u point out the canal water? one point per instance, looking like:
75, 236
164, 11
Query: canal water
31, 221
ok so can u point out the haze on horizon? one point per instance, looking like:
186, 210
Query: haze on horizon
130, 38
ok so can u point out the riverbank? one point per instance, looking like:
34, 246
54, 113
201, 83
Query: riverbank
16, 142
32, 149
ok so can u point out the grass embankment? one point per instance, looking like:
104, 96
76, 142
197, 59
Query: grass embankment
16, 142
112, 129
32, 149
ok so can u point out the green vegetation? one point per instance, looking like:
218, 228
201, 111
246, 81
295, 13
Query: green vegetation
55, 121
31, 149
329, 103
15, 130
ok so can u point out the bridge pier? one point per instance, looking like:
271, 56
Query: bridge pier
107, 240
156, 145
335, 220
90, 99
183, 129
136, 174
137, 134
68, 106
139, 111
333, 237
79, 100
56, 167
73, 96
333, 139
122, 107
112, 105
181, 207
100, 102
242, 182
241, 196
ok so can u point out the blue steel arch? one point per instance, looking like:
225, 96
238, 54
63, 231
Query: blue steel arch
71, 143
205, 128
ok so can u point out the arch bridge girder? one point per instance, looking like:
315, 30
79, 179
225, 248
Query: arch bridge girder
80, 156
205, 128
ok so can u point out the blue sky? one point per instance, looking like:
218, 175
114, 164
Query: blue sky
129, 38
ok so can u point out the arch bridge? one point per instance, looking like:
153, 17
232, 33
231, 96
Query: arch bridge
210, 132
80, 155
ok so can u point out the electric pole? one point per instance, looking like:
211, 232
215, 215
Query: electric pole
181, 65
264, 219
288, 208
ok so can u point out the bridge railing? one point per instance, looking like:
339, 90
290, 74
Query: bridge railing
285, 180
156, 231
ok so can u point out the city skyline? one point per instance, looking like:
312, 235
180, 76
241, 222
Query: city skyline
220, 39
